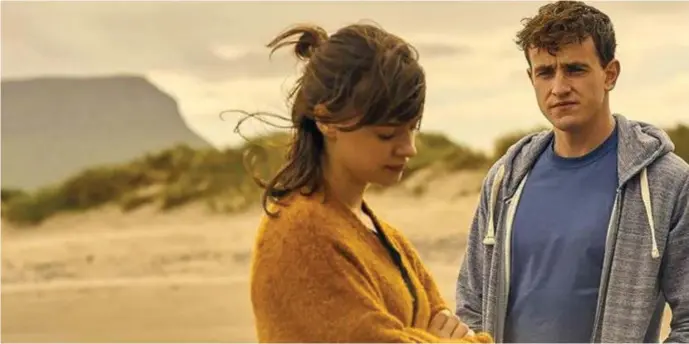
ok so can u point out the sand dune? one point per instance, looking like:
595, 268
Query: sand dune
183, 277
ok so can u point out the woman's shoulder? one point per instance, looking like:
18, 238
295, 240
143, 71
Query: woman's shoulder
301, 232
297, 215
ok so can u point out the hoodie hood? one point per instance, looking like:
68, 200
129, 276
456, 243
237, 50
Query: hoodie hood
639, 145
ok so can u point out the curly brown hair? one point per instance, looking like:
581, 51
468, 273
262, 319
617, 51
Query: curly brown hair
360, 71
566, 22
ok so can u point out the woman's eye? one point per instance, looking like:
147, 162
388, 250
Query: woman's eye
386, 137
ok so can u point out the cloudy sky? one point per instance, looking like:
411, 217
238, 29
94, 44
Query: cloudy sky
211, 56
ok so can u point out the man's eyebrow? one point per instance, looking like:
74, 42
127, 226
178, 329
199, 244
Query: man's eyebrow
543, 67
576, 64
550, 67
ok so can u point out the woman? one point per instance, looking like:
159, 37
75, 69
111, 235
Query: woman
325, 267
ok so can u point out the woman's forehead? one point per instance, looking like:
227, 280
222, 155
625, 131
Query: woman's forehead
397, 122
375, 121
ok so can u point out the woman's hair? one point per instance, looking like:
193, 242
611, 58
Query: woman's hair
361, 70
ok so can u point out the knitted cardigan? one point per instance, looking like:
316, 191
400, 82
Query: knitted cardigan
319, 275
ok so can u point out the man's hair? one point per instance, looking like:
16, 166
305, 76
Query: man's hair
566, 22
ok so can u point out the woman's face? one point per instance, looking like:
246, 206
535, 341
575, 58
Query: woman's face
376, 154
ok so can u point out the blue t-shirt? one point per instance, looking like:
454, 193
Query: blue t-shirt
558, 244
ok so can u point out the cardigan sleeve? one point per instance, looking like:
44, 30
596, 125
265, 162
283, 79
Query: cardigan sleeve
305, 289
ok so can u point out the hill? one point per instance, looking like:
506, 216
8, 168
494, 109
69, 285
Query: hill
53, 128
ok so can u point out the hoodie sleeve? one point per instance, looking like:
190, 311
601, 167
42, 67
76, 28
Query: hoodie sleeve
469, 298
675, 274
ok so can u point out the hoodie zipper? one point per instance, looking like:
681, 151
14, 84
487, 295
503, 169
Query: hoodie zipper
503, 295
610, 242
613, 225
504, 276
504, 289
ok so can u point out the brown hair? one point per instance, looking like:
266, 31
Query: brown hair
361, 70
566, 22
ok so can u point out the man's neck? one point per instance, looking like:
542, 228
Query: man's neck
578, 143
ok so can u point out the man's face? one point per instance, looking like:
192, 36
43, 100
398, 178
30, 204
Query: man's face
572, 86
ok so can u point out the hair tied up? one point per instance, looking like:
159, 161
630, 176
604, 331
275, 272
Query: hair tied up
320, 110
311, 37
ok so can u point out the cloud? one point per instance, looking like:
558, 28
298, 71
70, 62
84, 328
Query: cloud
229, 52
211, 56
473, 97
475, 116
435, 49
201, 101
134, 37
663, 102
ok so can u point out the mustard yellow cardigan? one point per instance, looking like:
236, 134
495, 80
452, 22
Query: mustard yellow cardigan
319, 275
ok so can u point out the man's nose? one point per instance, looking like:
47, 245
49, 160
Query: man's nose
561, 85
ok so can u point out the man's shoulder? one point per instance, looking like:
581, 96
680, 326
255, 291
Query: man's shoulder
668, 179
525, 148
669, 169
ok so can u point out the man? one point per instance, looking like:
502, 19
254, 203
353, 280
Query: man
582, 231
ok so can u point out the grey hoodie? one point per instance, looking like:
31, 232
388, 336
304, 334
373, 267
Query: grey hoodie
647, 248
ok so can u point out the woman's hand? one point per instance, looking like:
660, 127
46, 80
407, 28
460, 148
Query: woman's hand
447, 325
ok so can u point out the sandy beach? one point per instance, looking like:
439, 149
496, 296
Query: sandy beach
183, 276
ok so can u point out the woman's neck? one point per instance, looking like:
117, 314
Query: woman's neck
342, 186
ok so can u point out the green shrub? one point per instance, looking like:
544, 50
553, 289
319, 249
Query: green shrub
504, 142
8, 194
437, 149
134, 201
33, 209
180, 175
680, 137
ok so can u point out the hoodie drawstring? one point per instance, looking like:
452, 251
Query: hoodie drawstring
489, 239
646, 197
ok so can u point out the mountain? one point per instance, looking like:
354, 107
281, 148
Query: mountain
53, 128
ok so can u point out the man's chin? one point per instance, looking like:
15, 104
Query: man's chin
566, 122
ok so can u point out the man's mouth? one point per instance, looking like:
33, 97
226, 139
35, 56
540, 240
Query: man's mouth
563, 104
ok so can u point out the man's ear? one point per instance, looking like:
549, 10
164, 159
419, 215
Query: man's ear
327, 130
612, 73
